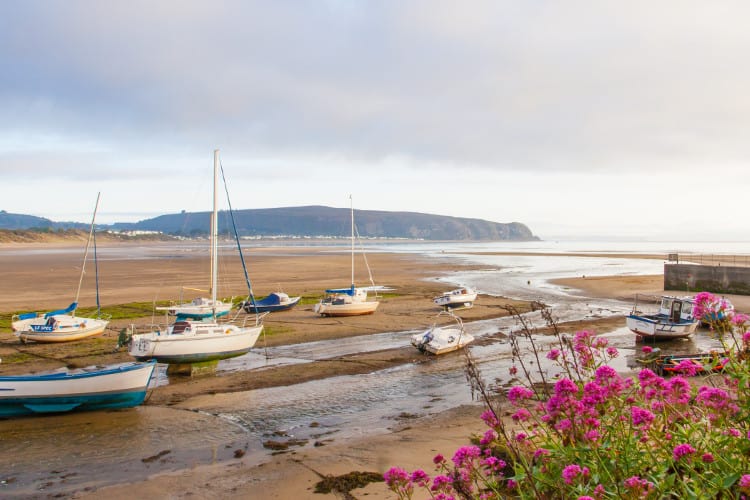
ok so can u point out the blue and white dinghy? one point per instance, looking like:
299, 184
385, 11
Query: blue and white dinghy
114, 386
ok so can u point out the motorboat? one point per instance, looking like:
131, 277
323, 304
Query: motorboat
460, 297
440, 339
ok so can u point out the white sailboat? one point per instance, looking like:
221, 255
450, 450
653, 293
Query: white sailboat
62, 325
191, 340
198, 308
351, 301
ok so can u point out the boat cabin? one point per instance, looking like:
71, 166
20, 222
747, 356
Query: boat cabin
677, 309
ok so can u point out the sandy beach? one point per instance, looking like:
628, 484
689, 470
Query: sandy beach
298, 271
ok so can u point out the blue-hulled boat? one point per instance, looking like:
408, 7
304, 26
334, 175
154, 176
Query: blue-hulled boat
114, 386
277, 301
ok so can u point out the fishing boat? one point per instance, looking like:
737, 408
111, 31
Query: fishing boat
276, 301
350, 301
673, 320
440, 339
115, 386
63, 325
460, 297
191, 340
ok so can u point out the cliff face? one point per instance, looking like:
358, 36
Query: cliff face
310, 221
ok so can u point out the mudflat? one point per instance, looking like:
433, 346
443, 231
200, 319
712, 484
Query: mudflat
35, 279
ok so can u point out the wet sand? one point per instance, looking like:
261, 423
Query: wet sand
299, 271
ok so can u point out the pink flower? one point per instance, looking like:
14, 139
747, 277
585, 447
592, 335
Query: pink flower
420, 478
489, 436
489, 418
494, 464
646, 349
438, 459
397, 480
707, 458
519, 393
565, 387
522, 415
440, 482
688, 367
593, 435
571, 472
554, 354
641, 416
682, 450
679, 390
638, 485
465, 454
739, 319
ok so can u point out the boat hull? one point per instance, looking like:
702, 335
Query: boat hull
68, 329
260, 307
117, 386
440, 340
196, 348
456, 298
197, 312
659, 328
350, 309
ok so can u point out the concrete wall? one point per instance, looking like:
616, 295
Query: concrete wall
715, 279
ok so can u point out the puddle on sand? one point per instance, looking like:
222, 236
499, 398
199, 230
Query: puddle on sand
62, 453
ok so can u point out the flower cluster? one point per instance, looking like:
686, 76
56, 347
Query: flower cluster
607, 436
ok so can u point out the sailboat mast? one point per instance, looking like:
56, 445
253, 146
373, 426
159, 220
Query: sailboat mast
86, 252
215, 233
351, 206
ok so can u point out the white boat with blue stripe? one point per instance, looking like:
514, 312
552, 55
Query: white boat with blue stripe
674, 319
115, 386
64, 325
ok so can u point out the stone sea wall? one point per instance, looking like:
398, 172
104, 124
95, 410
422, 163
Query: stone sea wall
702, 278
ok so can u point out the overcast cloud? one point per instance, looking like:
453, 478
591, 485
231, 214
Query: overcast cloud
587, 118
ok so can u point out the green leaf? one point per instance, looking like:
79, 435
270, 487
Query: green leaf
730, 480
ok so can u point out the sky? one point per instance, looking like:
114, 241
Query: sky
580, 119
